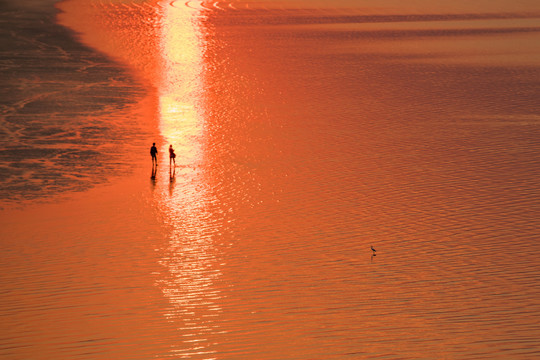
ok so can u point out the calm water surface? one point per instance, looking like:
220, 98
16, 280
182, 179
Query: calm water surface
306, 132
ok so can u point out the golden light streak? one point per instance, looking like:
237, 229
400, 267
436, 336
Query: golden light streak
190, 257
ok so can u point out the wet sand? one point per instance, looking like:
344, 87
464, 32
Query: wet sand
67, 120
304, 136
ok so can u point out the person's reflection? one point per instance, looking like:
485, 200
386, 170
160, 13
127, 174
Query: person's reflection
172, 180
153, 175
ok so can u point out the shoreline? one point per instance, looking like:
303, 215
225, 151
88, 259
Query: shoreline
72, 115
84, 264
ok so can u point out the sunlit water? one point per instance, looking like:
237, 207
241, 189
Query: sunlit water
306, 132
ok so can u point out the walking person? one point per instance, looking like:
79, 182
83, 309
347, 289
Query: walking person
153, 153
172, 156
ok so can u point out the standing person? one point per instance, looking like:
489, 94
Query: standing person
153, 153
172, 156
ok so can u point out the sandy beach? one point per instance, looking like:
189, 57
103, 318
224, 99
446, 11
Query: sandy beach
305, 133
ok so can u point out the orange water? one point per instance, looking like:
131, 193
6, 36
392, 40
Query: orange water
306, 132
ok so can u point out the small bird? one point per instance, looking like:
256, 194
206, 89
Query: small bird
372, 249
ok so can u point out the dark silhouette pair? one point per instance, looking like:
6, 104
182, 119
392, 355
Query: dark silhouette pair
154, 152
172, 161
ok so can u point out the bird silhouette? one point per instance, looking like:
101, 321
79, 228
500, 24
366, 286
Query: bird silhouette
372, 249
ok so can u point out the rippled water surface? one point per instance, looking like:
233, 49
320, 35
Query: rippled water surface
306, 132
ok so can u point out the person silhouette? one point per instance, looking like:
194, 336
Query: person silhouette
172, 156
153, 153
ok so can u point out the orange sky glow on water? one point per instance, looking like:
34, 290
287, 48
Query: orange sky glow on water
304, 135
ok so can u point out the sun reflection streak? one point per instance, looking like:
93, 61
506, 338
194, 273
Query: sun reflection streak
180, 86
190, 259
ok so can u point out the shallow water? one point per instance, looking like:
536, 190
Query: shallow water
305, 132
63, 122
